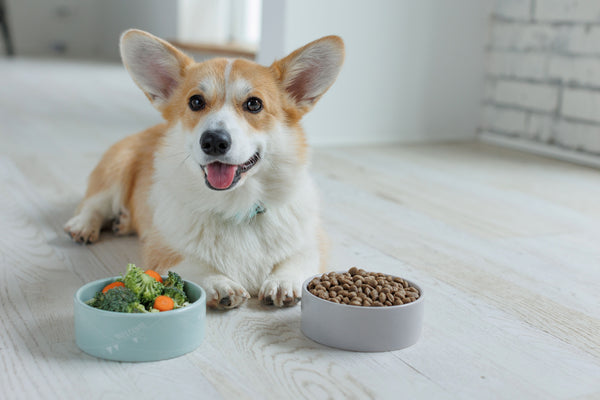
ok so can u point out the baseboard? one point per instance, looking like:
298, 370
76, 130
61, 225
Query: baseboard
543, 149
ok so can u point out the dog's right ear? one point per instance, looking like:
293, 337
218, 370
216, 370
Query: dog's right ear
155, 66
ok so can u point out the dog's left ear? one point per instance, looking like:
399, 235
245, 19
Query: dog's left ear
155, 66
307, 73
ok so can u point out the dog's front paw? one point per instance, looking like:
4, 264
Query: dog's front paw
83, 230
280, 292
223, 293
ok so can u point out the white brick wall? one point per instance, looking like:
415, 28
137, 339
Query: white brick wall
513, 9
584, 40
567, 10
517, 65
505, 120
525, 36
530, 96
543, 73
581, 104
577, 71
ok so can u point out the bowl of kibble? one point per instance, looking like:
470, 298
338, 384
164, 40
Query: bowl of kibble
362, 311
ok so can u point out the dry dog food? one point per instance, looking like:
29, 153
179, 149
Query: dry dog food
360, 288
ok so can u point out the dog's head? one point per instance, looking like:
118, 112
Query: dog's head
238, 117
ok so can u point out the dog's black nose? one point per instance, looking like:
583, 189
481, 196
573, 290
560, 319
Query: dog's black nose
215, 142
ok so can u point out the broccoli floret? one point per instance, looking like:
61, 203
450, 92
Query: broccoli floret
141, 284
178, 295
119, 299
174, 280
97, 299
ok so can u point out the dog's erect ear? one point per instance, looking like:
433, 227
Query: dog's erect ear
308, 72
155, 66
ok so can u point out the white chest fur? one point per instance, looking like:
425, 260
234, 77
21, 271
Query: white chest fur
197, 222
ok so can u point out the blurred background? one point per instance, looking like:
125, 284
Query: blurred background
519, 73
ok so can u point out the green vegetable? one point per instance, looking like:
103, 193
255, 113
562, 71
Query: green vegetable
142, 285
173, 280
178, 295
118, 299
139, 293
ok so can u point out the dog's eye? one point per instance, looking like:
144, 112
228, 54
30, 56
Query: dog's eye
253, 104
197, 102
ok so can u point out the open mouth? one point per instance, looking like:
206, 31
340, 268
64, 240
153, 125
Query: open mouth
220, 176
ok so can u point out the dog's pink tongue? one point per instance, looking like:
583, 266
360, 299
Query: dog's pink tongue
219, 175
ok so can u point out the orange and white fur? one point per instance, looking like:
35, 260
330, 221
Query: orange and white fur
223, 185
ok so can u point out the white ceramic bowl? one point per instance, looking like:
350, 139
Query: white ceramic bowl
361, 328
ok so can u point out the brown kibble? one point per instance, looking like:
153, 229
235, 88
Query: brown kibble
360, 288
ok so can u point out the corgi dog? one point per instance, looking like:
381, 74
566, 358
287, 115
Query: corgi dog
222, 186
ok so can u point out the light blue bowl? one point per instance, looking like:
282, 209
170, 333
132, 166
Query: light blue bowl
138, 337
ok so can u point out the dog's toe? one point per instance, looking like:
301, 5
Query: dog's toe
280, 293
225, 302
122, 223
225, 294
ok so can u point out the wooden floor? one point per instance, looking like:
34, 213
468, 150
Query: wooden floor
506, 246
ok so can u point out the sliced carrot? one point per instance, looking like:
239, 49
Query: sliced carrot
164, 303
155, 275
112, 285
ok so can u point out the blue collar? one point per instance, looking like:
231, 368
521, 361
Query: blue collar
258, 208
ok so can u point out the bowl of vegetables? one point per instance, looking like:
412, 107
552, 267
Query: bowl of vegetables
140, 316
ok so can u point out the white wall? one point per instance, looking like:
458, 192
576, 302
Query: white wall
413, 69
